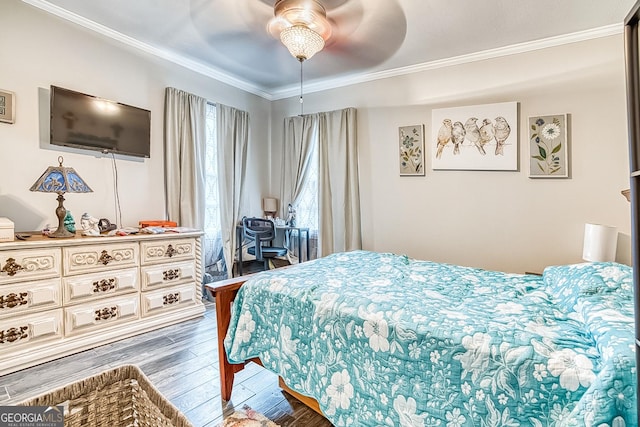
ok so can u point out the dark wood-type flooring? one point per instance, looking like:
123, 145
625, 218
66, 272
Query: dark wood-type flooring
182, 362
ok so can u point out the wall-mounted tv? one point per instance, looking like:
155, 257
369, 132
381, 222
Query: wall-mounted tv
84, 121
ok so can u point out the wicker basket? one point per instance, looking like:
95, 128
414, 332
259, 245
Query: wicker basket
119, 397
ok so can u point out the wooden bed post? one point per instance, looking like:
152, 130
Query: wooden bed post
225, 292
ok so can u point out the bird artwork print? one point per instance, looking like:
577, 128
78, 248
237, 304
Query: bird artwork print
476, 137
444, 136
503, 130
487, 133
458, 134
473, 133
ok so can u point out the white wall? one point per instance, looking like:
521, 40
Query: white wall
501, 220
496, 220
39, 50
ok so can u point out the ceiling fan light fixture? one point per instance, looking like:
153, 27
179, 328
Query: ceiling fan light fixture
301, 41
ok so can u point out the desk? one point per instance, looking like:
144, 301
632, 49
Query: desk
286, 229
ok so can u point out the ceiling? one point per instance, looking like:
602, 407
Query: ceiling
228, 39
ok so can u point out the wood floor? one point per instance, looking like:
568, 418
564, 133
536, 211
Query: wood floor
182, 362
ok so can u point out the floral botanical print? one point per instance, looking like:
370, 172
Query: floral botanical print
384, 340
548, 146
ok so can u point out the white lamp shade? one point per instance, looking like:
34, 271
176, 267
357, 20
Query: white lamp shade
269, 204
600, 243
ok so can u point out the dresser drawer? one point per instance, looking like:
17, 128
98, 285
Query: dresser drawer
100, 314
19, 330
167, 274
99, 285
167, 250
163, 300
18, 298
87, 259
29, 264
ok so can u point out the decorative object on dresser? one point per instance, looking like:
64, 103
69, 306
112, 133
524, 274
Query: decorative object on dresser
89, 225
59, 297
7, 107
600, 243
60, 179
6, 230
157, 223
70, 223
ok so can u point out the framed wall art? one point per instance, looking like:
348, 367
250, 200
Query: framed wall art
411, 154
7, 106
548, 147
477, 137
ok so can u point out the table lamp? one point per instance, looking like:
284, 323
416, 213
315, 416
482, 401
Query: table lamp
60, 179
269, 206
600, 243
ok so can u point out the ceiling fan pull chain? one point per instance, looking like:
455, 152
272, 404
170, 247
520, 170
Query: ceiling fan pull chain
301, 100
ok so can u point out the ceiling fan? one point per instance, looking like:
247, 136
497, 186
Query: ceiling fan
301, 25
249, 33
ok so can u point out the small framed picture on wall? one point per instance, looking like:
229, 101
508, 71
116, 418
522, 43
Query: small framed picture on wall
548, 146
7, 106
411, 155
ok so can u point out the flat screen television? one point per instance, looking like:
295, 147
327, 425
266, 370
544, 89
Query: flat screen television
85, 121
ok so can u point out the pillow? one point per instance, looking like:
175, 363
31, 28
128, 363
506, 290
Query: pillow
570, 283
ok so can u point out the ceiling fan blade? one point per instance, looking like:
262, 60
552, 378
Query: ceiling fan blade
366, 37
239, 15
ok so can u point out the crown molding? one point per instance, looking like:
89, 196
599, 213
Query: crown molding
190, 64
326, 84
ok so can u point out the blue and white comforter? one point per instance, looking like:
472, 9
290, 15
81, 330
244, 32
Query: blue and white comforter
383, 340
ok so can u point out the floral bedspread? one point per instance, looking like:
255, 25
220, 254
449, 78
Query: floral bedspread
384, 340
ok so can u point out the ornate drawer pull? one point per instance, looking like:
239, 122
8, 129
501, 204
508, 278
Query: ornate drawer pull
14, 334
106, 313
171, 298
171, 274
105, 258
12, 267
104, 285
13, 300
170, 251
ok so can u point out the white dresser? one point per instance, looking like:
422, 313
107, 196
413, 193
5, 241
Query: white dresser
61, 296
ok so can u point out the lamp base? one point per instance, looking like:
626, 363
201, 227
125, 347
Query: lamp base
61, 213
62, 234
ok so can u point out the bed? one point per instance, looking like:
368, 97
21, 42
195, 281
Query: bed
379, 339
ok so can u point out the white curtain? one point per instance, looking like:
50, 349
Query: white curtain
233, 136
338, 175
299, 133
184, 146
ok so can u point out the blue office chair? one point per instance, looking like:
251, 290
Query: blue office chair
262, 232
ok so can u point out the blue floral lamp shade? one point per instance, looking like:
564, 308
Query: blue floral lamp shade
60, 179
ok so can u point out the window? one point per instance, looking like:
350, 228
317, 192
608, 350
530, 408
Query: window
307, 206
213, 259
307, 203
